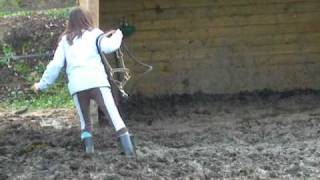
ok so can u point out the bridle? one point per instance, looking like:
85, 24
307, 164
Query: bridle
119, 76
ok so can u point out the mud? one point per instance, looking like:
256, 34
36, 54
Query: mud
248, 136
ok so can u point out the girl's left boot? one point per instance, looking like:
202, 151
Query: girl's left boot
87, 142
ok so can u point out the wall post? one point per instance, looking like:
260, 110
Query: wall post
93, 7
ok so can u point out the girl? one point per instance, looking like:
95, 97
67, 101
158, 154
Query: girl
86, 75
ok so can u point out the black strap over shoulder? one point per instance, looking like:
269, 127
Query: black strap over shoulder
100, 52
98, 42
114, 89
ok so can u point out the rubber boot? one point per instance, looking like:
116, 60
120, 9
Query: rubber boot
127, 145
87, 142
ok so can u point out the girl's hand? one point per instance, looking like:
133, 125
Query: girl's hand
35, 88
109, 33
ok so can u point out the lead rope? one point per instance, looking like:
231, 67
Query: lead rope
123, 72
148, 67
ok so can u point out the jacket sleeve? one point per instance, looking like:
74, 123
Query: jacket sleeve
111, 44
53, 68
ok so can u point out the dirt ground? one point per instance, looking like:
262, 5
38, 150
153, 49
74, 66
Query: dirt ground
248, 136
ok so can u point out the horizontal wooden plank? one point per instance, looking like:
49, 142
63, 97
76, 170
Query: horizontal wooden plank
217, 11
207, 33
225, 21
287, 59
121, 6
203, 3
190, 65
259, 40
138, 5
181, 66
225, 52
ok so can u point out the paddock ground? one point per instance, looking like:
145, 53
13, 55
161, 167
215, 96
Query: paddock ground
248, 136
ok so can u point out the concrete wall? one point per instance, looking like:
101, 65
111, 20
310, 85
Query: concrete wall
222, 46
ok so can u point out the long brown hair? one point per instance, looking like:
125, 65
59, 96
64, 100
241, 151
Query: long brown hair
79, 20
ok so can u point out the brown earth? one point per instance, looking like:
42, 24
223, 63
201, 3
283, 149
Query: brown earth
26, 5
31, 34
247, 136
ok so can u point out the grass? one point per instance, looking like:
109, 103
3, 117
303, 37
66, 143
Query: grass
55, 97
56, 12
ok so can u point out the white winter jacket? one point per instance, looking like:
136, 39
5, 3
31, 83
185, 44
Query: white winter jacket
84, 66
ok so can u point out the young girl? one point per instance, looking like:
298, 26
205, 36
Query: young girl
86, 75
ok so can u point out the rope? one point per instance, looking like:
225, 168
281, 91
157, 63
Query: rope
148, 67
125, 72
122, 70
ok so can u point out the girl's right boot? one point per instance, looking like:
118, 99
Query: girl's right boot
127, 145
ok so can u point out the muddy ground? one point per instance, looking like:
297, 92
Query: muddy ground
248, 136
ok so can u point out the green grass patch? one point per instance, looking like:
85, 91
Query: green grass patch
56, 96
56, 12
